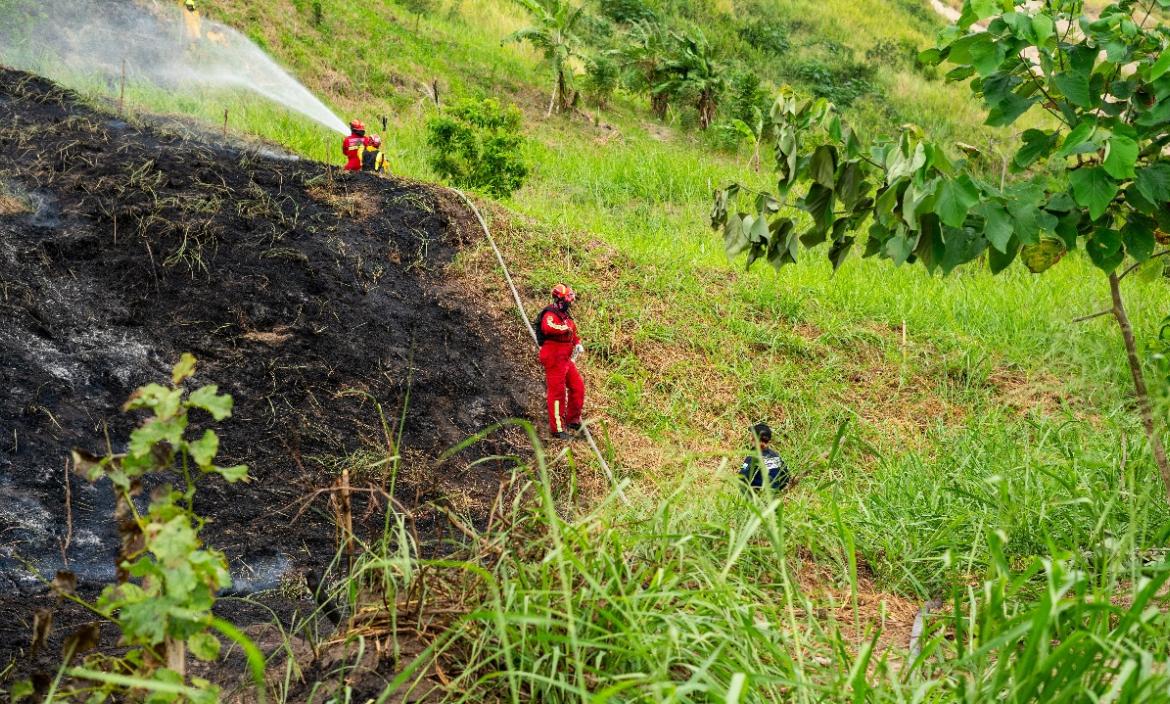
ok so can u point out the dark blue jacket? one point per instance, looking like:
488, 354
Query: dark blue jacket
778, 474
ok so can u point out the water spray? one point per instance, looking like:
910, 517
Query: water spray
155, 43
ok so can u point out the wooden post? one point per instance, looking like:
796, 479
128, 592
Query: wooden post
345, 521
225, 121
122, 92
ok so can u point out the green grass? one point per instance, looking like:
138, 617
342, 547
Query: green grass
989, 458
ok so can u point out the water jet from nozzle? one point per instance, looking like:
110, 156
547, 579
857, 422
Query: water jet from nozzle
166, 45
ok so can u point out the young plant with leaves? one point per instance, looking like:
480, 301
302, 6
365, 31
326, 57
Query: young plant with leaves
1093, 174
602, 74
477, 144
167, 582
554, 35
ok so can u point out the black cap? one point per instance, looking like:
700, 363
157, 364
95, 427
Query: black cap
762, 432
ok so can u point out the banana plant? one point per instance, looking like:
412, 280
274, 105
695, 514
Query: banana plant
554, 35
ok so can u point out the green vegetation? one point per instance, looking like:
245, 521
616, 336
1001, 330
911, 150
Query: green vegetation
167, 583
920, 205
954, 438
476, 144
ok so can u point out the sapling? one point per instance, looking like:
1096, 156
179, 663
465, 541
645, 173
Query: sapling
167, 580
1093, 173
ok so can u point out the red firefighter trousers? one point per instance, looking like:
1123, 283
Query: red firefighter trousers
566, 388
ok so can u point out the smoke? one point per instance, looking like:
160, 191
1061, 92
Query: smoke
160, 42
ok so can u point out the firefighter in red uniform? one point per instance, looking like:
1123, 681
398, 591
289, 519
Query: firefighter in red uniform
354, 146
559, 347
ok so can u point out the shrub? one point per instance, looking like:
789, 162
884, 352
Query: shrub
626, 11
418, 8
895, 54
730, 136
602, 74
842, 83
746, 95
476, 144
768, 36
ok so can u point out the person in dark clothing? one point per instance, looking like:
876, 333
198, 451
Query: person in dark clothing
751, 471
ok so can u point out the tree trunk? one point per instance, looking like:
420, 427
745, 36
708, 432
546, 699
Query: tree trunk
1145, 408
563, 103
706, 110
658, 104
552, 101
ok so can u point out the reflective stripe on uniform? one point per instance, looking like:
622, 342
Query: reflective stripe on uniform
557, 413
550, 320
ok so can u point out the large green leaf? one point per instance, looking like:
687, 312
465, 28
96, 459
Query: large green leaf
998, 226
209, 399
1037, 145
1138, 237
1159, 67
839, 250
1000, 260
980, 50
1078, 136
819, 204
1094, 189
849, 184
1153, 182
955, 199
823, 166
1120, 157
204, 646
962, 245
184, 368
899, 247
1075, 88
1043, 27
735, 241
1105, 250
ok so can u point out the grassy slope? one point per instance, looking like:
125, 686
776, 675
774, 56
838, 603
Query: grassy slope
994, 414
686, 350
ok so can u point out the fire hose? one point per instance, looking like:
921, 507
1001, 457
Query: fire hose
524, 316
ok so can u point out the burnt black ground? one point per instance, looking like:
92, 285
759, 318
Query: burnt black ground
305, 293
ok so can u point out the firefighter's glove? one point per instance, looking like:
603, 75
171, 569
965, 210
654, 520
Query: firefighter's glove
577, 351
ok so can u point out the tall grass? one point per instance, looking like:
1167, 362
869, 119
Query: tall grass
709, 594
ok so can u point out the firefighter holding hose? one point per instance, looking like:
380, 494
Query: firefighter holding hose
556, 333
354, 146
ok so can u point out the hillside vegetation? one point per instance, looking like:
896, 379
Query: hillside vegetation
954, 438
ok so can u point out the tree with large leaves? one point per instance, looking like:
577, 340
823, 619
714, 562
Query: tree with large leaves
693, 74
1093, 173
643, 55
555, 35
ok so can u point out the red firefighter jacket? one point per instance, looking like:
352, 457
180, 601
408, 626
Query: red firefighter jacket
559, 333
352, 147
